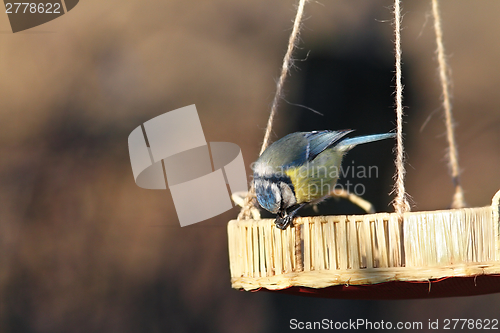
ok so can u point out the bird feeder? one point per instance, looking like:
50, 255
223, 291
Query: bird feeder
374, 256
453, 252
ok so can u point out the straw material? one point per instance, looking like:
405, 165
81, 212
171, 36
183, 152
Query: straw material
365, 249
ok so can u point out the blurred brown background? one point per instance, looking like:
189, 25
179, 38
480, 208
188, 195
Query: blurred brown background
83, 249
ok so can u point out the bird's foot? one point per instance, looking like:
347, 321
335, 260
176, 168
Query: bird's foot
283, 222
284, 219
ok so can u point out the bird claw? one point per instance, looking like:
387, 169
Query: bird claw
283, 222
284, 218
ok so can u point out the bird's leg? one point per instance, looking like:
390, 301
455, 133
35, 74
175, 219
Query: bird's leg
284, 219
282, 222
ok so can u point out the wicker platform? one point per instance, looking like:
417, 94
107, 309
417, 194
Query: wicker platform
349, 250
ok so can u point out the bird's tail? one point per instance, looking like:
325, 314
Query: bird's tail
348, 144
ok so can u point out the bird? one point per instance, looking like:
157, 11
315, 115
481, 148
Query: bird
302, 168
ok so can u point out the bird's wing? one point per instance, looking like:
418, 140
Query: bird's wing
319, 141
299, 148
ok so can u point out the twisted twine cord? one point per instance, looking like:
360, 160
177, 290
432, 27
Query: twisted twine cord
458, 197
400, 203
287, 62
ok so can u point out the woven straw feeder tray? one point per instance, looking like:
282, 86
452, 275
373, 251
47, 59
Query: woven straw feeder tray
428, 254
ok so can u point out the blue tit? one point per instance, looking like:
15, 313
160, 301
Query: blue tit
302, 168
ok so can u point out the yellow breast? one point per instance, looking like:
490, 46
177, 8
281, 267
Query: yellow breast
310, 184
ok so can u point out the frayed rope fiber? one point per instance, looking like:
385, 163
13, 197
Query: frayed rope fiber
458, 197
400, 203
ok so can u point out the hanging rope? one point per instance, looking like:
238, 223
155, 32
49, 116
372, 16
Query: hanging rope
458, 197
287, 62
400, 202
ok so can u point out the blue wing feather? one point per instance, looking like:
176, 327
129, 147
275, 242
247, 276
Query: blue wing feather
299, 148
319, 141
